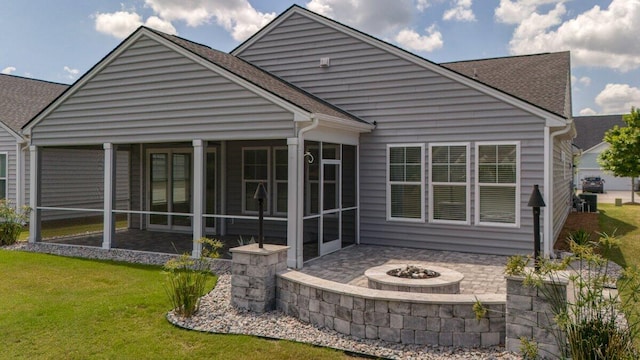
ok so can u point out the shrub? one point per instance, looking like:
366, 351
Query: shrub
593, 323
12, 221
580, 237
187, 278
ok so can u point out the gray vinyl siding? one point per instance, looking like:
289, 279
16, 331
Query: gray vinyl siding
410, 104
74, 178
562, 186
150, 93
8, 147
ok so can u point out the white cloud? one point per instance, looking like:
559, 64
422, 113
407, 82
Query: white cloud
411, 40
422, 5
587, 112
602, 37
618, 98
71, 73
460, 11
122, 23
585, 80
379, 17
238, 17
8, 70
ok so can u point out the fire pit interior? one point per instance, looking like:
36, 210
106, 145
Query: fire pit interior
413, 272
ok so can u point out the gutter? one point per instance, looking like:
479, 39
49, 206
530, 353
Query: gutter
549, 139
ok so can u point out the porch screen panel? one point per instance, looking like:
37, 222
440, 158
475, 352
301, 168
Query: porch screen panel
255, 170
497, 183
349, 185
449, 182
159, 184
311, 178
211, 188
181, 188
405, 185
280, 178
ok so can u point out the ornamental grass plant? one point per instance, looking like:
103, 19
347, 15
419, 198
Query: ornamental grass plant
12, 221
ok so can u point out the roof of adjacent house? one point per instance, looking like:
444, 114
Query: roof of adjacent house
261, 78
541, 79
591, 129
21, 98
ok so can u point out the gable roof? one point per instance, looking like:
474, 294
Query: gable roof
541, 79
261, 78
238, 70
552, 117
22, 98
591, 129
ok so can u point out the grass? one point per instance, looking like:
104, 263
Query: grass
67, 227
624, 222
65, 308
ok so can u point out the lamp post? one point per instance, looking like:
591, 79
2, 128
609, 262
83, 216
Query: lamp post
260, 195
536, 202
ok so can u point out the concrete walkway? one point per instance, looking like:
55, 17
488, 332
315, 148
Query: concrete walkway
483, 274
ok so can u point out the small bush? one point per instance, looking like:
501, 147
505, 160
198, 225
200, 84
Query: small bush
187, 278
580, 237
12, 221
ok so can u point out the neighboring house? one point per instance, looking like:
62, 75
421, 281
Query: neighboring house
591, 131
20, 100
356, 140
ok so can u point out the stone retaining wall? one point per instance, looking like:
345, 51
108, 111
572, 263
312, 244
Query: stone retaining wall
410, 318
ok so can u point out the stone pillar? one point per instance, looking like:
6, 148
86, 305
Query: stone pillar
529, 315
253, 276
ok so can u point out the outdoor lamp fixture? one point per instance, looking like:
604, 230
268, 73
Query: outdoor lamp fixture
536, 202
260, 195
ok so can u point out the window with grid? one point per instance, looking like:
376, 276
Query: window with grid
449, 183
405, 182
3, 176
255, 170
497, 183
280, 186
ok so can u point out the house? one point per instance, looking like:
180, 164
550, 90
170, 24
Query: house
20, 100
591, 131
356, 141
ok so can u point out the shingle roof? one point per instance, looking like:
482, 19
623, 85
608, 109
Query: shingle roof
591, 129
540, 79
261, 78
23, 98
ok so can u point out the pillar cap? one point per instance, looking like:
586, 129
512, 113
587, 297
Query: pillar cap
254, 249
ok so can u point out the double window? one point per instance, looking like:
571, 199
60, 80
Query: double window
258, 167
405, 182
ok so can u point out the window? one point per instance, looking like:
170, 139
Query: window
255, 170
405, 182
280, 180
497, 195
449, 183
3, 175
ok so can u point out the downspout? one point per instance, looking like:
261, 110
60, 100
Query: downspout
549, 141
300, 190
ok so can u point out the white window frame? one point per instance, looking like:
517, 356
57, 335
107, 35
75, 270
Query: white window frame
6, 174
516, 224
421, 183
275, 180
467, 185
267, 181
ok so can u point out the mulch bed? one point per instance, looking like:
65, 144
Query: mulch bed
576, 221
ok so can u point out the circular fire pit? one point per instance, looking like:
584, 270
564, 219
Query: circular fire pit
448, 281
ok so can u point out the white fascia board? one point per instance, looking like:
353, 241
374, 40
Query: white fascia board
11, 132
343, 124
551, 119
298, 113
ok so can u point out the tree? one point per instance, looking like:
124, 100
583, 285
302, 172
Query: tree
622, 158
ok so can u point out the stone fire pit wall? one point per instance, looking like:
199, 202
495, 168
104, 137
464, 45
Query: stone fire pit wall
410, 318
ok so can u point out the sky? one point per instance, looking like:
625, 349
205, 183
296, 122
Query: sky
61, 40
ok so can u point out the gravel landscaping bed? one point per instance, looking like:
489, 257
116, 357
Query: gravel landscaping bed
216, 314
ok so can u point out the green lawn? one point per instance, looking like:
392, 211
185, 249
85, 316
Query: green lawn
624, 221
65, 308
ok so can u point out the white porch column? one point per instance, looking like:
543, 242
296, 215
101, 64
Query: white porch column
199, 153
34, 197
294, 204
109, 228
